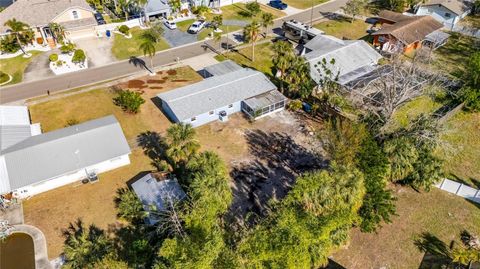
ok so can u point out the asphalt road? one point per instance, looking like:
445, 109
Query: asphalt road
90, 76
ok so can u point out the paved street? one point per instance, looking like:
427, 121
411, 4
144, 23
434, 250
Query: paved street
123, 68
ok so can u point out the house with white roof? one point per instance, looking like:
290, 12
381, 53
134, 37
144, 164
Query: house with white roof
447, 12
157, 193
352, 58
228, 89
15, 125
46, 161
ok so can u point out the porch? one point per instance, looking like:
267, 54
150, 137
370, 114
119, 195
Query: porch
264, 104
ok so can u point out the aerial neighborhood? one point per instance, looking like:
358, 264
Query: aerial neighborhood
243, 134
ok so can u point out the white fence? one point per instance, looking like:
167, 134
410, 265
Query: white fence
460, 189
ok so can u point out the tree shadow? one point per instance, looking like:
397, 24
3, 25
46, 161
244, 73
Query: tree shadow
437, 253
153, 145
278, 161
137, 62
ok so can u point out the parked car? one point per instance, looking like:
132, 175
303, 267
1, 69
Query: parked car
99, 18
170, 24
278, 4
196, 27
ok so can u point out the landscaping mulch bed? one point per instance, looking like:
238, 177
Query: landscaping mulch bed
139, 84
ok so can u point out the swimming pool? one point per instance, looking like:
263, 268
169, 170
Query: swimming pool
17, 252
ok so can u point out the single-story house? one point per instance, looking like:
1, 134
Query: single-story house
447, 12
402, 33
157, 8
157, 193
15, 126
76, 17
220, 95
352, 58
46, 161
213, 3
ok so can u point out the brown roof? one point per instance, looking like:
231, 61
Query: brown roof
392, 16
456, 6
38, 12
410, 30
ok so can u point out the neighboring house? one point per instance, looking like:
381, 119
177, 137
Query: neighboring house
222, 94
5, 3
213, 3
353, 58
50, 160
157, 193
402, 33
76, 17
447, 12
15, 126
157, 8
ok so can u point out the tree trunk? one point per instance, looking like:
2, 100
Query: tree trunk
253, 51
151, 64
19, 43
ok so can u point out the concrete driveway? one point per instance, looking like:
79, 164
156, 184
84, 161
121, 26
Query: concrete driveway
177, 38
39, 67
98, 50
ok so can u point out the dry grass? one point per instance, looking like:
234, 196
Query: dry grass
343, 28
54, 210
437, 212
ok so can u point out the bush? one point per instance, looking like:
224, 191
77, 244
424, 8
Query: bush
130, 101
67, 48
79, 56
124, 29
59, 63
295, 105
9, 44
53, 57
253, 8
471, 98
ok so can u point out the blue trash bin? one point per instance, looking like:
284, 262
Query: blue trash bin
108, 33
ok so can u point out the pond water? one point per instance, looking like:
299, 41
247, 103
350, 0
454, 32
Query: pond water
17, 252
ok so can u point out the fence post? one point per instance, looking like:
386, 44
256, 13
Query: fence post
460, 187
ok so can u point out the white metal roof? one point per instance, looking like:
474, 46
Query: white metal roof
42, 157
216, 92
14, 115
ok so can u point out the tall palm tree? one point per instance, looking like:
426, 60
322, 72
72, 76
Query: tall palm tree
217, 37
23, 33
149, 40
58, 31
182, 142
283, 57
267, 21
124, 5
251, 34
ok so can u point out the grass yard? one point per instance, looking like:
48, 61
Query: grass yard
263, 57
437, 212
54, 210
452, 56
4, 77
461, 148
471, 21
16, 66
123, 48
343, 28
183, 25
303, 4
421, 105
237, 12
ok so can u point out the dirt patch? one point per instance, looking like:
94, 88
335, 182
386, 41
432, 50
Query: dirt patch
172, 72
179, 80
156, 81
159, 72
155, 88
138, 84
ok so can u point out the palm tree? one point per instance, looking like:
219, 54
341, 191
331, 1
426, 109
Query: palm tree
299, 77
251, 33
141, 4
267, 20
175, 5
217, 37
148, 47
58, 31
22, 32
182, 142
282, 60
124, 5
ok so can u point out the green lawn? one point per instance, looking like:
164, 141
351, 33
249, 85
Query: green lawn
303, 4
472, 21
263, 57
451, 57
237, 12
123, 47
344, 28
4, 77
16, 66
421, 105
183, 25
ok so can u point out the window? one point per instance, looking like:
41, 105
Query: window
211, 112
230, 105
193, 119
75, 14
448, 15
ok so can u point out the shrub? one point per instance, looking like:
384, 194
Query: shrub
53, 57
67, 48
124, 29
471, 98
9, 44
295, 105
130, 101
79, 56
59, 63
72, 122
253, 8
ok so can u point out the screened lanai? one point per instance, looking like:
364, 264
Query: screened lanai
264, 104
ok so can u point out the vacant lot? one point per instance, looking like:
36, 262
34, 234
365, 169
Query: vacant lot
263, 57
344, 28
437, 212
16, 66
123, 48
452, 57
54, 210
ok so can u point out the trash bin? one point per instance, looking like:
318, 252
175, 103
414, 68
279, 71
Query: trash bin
108, 33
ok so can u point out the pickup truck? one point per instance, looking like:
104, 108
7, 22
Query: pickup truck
196, 27
278, 4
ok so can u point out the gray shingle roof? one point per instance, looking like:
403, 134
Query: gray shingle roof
457, 6
216, 92
353, 58
155, 6
63, 151
155, 192
38, 12
222, 68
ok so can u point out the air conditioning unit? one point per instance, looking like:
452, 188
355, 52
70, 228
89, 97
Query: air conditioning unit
223, 116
